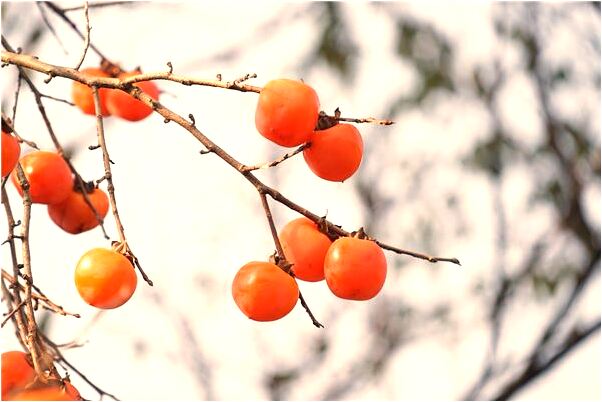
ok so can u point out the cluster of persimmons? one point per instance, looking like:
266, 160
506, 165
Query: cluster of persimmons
287, 114
354, 268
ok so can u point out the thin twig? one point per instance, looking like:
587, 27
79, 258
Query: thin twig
277, 161
58, 11
50, 27
57, 99
98, 5
17, 91
110, 187
86, 37
12, 313
78, 179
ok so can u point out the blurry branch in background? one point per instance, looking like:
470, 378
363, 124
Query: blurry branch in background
570, 218
98, 4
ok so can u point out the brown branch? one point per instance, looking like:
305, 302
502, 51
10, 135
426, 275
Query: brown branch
57, 10
277, 161
12, 313
78, 179
39, 296
37, 65
50, 27
17, 91
110, 187
10, 125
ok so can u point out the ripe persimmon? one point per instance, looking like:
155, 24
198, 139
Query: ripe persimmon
335, 153
17, 372
49, 177
10, 153
82, 94
74, 215
124, 105
287, 112
305, 247
354, 268
264, 292
105, 278
49, 393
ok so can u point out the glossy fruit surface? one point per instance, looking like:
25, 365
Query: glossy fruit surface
305, 247
49, 177
127, 107
264, 292
16, 372
10, 153
82, 94
105, 278
50, 393
74, 215
287, 112
355, 269
335, 153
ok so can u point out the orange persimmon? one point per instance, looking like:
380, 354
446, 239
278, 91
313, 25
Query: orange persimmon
49, 393
17, 372
287, 112
124, 105
264, 292
355, 269
305, 247
49, 177
105, 278
10, 153
74, 215
82, 94
335, 153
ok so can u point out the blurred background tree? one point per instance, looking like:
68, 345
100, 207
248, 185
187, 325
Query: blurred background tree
494, 159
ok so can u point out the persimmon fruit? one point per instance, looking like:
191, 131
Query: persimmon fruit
335, 154
17, 372
10, 153
49, 177
355, 269
264, 292
82, 95
105, 278
74, 215
124, 105
49, 393
287, 112
305, 247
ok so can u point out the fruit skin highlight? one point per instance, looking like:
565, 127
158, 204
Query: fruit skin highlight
105, 278
287, 112
49, 177
305, 247
355, 269
264, 292
335, 154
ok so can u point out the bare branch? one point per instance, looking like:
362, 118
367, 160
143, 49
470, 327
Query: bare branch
86, 37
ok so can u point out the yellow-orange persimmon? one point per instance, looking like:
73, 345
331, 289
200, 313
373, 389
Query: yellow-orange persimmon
305, 247
127, 107
264, 292
354, 268
17, 372
66, 392
10, 153
335, 153
74, 215
82, 94
49, 177
287, 112
105, 278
